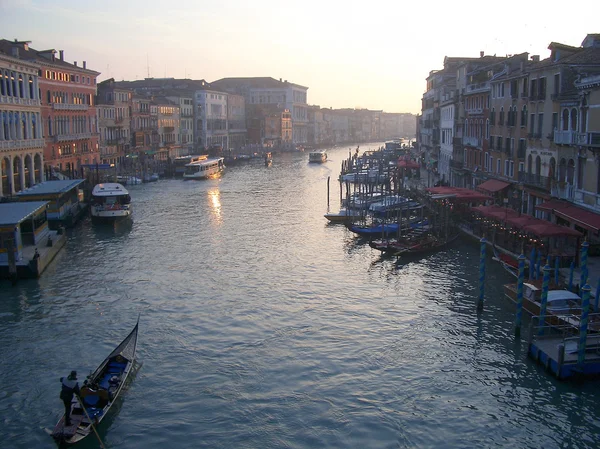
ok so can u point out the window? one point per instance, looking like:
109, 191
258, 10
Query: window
540, 123
532, 124
556, 84
498, 165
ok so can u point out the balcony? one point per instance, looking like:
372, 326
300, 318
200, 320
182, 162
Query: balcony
21, 144
169, 129
472, 141
479, 87
5, 99
539, 181
69, 107
564, 137
66, 137
474, 111
591, 139
563, 191
456, 164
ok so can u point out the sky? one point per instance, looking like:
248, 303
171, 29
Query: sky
350, 54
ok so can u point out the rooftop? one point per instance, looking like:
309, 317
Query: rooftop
14, 213
51, 187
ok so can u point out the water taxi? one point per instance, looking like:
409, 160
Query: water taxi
110, 202
317, 156
205, 168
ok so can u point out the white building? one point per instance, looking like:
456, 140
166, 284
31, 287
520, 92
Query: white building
21, 137
446, 139
211, 119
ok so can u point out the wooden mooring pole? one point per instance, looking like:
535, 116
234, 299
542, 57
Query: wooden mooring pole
482, 249
520, 281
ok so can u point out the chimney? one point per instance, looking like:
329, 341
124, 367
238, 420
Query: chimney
62, 55
285, 81
535, 58
75, 63
481, 53
280, 80
84, 64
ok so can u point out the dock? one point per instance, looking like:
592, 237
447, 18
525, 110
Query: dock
557, 349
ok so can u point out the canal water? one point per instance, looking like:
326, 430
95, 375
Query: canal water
262, 326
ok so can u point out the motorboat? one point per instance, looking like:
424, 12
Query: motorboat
206, 168
343, 216
319, 156
110, 202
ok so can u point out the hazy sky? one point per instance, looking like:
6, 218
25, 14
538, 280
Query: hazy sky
369, 54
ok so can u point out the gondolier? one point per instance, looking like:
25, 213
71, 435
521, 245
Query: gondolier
69, 386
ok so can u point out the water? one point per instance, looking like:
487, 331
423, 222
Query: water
264, 327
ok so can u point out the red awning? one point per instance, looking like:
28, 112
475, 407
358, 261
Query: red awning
584, 218
493, 185
459, 193
522, 221
407, 164
497, 212
547, 229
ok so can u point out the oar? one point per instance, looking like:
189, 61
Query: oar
91, 422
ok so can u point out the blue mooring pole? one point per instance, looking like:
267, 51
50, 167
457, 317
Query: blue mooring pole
544, 300
539, 264
597, 297
556, 269
532, 264
583, 264
583, 324
520, 281
571, 270
482, 249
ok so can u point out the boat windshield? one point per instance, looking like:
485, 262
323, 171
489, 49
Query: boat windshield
111, 200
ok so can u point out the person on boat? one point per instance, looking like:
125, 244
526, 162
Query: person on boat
70, 386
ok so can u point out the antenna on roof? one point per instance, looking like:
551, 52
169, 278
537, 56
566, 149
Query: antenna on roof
148, 65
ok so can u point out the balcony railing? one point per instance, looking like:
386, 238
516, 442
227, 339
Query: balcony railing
21, 144
475, 111
564, 137
5, 99
591, 139
65, 137
456, 164
478, 87
535, 180
563, 191
69, 107
472, 141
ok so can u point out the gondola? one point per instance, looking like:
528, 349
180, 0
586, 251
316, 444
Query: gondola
99, 392
427, 245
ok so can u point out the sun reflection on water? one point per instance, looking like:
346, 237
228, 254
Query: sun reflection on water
214, 197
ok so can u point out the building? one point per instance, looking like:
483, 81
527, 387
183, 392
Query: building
21, 131
117, 127
269, 91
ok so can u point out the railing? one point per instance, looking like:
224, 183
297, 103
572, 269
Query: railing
474, 111
169, 129
5, 99
591, 139
478, 87
21, 144
564, 137
472, 141
65, 137
563, 191
535, 180
70, 107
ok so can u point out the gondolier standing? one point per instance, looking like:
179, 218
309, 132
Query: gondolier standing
69, 386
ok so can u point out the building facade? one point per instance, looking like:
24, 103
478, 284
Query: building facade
21, 131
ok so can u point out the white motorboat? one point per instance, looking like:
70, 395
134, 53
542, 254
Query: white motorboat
110, 202
203, 169
317, 156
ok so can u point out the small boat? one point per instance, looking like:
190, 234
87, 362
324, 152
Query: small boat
99, 392
110, 202
317, 156
428, 244
129, 180
343, 216
203, 169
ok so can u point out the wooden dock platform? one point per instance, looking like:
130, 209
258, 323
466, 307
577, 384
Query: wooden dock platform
557, 349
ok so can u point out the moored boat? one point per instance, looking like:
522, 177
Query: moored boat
343, 216
110, 202
99, 392
205, 168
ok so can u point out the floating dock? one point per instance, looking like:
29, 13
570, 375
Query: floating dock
558, 350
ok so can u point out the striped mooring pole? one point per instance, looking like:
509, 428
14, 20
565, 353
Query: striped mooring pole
538, 264
544, 300
597, 297
532, 264
583, 324
483, 244
571, 271
583, 265
556, 269
520, 281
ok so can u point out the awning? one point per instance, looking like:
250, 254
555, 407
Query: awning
548, 229
493, 185
584, 218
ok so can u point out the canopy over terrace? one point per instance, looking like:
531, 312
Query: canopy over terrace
493, 211
492, 185
457, 194
576, 215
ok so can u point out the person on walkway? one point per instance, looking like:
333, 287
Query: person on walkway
69, 386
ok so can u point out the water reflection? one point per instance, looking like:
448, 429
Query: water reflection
214, 202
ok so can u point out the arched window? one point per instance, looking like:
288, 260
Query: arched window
524, 116
573, 119
565, 119
570, 171
31, 95
24, 130
21, 87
